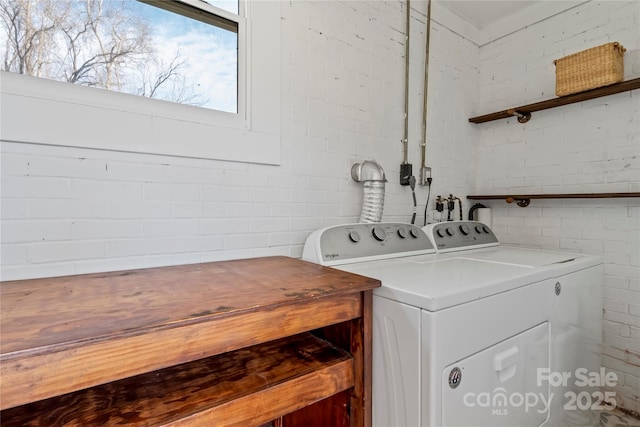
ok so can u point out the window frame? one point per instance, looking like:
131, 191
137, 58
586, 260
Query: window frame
41, 111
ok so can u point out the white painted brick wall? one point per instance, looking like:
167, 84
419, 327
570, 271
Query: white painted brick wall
69, 210
592, 146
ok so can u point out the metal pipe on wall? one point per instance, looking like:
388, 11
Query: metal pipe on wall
405, 140
423, 144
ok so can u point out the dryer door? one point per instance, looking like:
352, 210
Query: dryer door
500, 386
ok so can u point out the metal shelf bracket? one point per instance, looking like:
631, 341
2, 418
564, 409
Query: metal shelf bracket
522, 117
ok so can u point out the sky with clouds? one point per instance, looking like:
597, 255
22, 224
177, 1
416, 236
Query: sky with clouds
210, 54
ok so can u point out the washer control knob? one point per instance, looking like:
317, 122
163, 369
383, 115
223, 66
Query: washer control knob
485, 229
440, 232
402, 233
451, 231
379, 234
414, 233
354, 236
464, 229
478, 229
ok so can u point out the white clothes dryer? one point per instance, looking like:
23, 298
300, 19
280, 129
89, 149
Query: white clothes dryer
457, 340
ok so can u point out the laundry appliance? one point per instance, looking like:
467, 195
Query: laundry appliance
576, 312
459, 338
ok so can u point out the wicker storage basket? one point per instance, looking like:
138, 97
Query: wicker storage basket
589, 69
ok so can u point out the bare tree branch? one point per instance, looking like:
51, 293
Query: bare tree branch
89, 42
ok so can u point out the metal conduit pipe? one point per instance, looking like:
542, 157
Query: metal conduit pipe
423, 145
405, 139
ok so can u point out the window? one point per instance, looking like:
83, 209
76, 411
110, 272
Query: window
192, 53
196, 59
170, 50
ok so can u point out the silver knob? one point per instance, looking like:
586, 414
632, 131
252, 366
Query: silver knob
379, 234
354, 236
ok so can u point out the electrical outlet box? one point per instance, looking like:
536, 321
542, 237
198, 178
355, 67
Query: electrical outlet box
406, 171
425, 174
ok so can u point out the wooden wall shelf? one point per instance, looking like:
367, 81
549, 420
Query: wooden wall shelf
523, 200
523, 113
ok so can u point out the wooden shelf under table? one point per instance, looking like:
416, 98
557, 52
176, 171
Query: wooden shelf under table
249, 386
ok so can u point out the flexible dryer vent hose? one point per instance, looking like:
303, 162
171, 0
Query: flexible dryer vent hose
372, 175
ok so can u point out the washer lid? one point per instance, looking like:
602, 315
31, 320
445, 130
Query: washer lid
521, 256
435, 284
558, 262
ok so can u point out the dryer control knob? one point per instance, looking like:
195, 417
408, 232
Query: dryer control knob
354, 236
379, 234
478, 229
451, 231
413, 233
464, 229
440, 233
485, 229
402, 233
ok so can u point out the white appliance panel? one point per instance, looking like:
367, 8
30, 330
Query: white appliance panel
396, 346
499, 386
453, 334
576, 327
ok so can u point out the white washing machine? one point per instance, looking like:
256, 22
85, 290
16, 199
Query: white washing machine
576, 316
457, 340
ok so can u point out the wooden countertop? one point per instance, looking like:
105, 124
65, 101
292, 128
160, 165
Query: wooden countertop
63, 334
